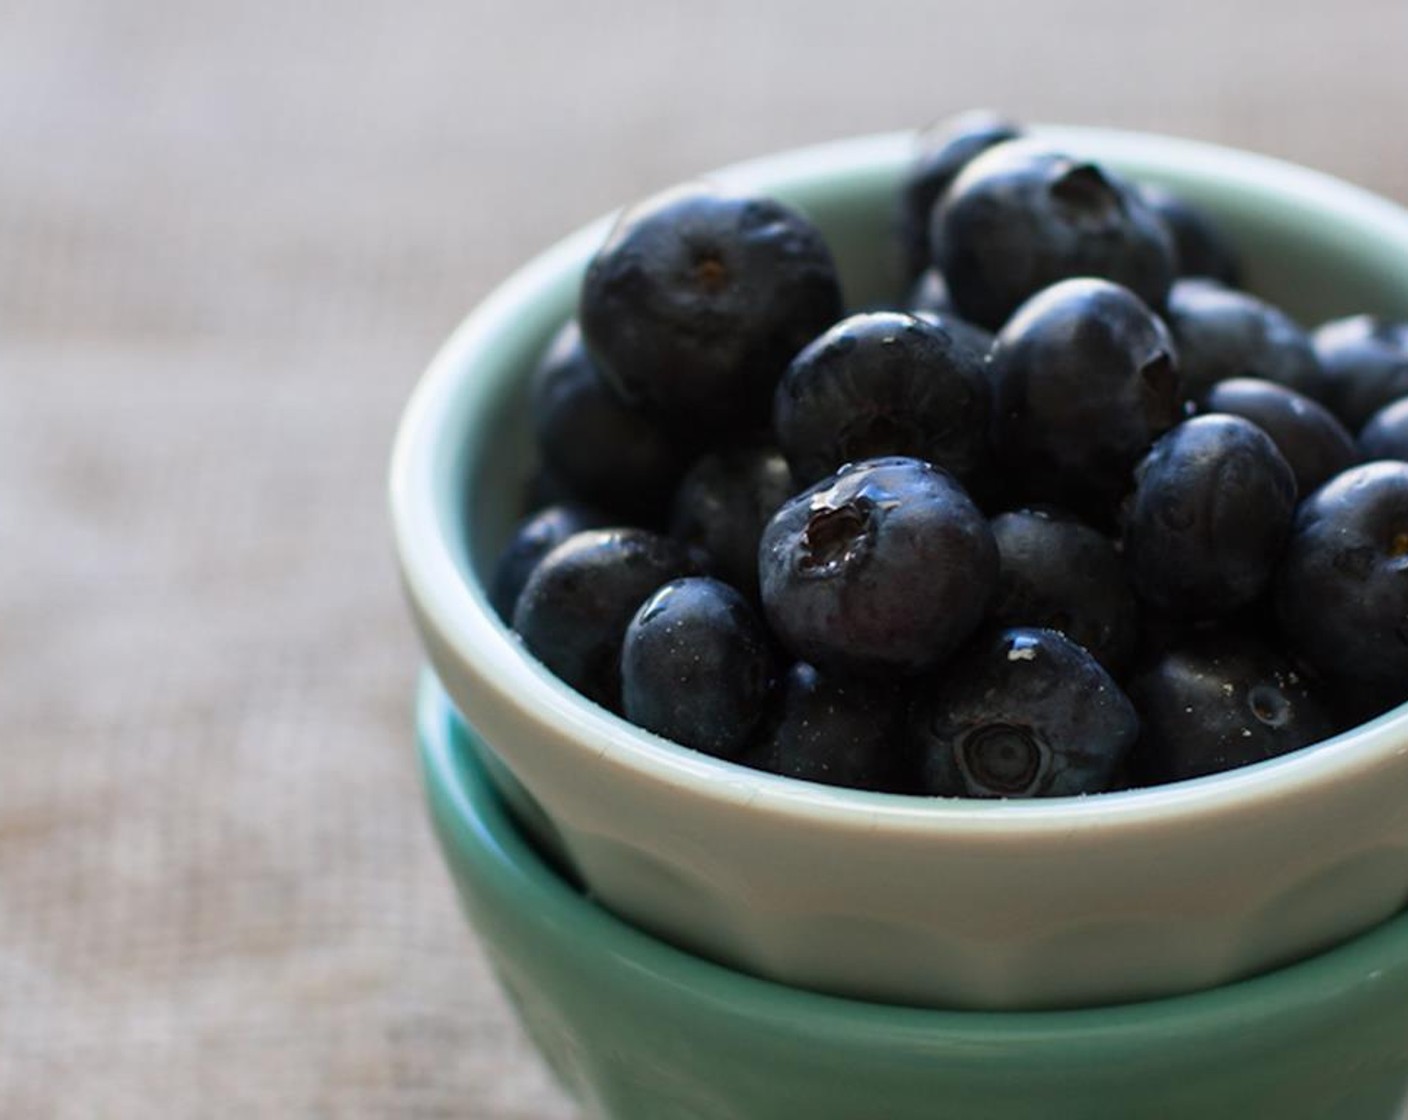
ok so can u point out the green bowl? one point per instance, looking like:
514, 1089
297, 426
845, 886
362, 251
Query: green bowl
638, 1030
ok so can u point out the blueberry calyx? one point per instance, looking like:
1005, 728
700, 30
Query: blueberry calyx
1004, 758
836, 537
1086, 193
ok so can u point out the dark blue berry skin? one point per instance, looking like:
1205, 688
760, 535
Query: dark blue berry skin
608, 453
836, 732
697, 666
1342, 589
1084, 378
1222, 700
942, 151
1222, 334
1313, 442
1024, 712
1200, 248
884, 568
883, 383
1208, 520
1058, 574
978, 341
1365, 359
724, 502
1021, 217
698, 300
1385, 436
533, 538
573, 612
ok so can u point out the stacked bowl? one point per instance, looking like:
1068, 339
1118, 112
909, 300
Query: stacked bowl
687, 937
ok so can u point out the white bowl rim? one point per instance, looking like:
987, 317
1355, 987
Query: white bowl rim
459, 612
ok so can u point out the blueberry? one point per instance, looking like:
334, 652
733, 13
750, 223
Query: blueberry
883, 383
699, 299
1385, 436
723, 503
1365, 359
533, 538
1208, 520
1058, 574
836, 732
942, 151
1020, 217
1342, 590
1223, 700
1084, 378
607, 452
885, 567
1200, 247
1222, 333
696, 666
1024, 713
1313, 442
573, 612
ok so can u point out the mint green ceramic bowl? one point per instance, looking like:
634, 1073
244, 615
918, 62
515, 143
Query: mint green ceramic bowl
637, 1030
939, 903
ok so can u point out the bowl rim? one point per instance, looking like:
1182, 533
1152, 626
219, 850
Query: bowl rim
456, 610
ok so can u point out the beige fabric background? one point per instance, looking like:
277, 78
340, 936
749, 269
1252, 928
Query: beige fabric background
230, 236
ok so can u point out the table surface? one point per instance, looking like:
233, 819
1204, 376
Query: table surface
230, 237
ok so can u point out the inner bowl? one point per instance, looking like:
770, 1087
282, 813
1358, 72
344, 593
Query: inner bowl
637, 1030
940, 903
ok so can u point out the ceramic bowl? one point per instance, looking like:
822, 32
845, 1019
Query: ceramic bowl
930, 902
638, 1030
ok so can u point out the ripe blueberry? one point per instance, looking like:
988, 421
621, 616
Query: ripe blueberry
699, 299
884, 568
608, 453
1208, 520
533, 538
723, 503
1057, 574
1342, 590
1024, 713
1222, 700
696, 666
942, 151
1084, 378
1365, 359
1223, 333
573, 612
1385, 436
837, 732
883, 383
1021, 217
1313, 442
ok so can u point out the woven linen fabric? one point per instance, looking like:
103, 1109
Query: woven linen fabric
230, 237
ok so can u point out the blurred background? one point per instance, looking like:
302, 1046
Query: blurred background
230, 238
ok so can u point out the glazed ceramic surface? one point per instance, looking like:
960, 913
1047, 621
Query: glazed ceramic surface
637, 1030
921, 901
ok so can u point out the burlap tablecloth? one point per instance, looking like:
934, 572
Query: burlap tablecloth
230, 237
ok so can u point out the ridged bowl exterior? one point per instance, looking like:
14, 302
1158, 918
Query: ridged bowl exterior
637, 1030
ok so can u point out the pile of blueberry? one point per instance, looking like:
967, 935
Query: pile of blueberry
1082, 516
